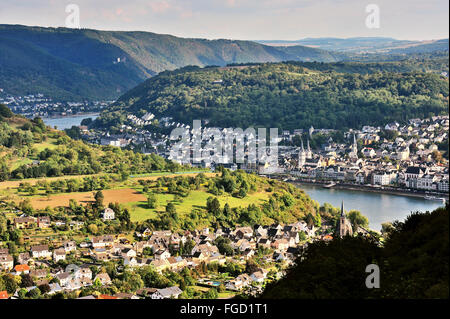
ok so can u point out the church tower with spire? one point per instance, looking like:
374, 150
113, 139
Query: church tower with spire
354, 149
344, 227
309, 154
301, 156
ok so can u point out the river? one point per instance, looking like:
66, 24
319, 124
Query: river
63, 122
377, 207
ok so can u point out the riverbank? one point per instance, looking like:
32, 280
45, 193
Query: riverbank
378, 206
59, 116
380, 190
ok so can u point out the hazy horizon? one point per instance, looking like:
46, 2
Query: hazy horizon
254, 20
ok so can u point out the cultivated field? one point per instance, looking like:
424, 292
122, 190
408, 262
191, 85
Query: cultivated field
120, 196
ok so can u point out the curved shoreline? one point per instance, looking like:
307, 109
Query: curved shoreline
364, 188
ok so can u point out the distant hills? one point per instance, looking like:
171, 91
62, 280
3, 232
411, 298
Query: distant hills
72, 64
366, 45
288, 95
83, 64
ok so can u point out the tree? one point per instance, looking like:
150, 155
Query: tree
386, 229
99, 197
9, 283
357, 219
171, 209
27, 281
44, 288
213, 205
152, 201
93, 229
211, 294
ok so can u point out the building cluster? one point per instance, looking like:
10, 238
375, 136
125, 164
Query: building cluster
398, 156
409, 159
44, 262
37, 105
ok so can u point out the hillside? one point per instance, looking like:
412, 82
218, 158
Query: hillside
29, 149
285, 95
414, 264
71, 64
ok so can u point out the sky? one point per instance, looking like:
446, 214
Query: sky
242, 19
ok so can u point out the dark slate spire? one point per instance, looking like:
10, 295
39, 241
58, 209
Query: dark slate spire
342, 209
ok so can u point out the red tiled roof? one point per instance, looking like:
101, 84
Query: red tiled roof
106, 297
3, 294
22, 268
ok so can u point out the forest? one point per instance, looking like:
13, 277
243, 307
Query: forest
286, 95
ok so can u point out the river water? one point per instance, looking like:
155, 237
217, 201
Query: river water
378, 208
64, 122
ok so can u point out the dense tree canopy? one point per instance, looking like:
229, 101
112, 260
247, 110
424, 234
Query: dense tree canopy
284, 95
414, 263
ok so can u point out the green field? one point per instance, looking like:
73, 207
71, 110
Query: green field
196, 199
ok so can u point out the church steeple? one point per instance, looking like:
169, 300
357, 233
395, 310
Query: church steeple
344, 227
301, 156
354, 148
309, 154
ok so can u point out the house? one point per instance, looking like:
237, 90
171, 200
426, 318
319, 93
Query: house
69, 246
239, 282
41, 251
24, 258
83, 272
43, 222
162, 254
124, 295
59, 254
102, 241
103, 278
6, 262
280, 244
54, 288
160, 265
22, 269
38, 273
264, 242
64, 278
177, 263
132, 261
167, 293
128, 253
100, 254
106, 297
4, 294
146, 292
23, 222
244, 232
258, 276
108, 214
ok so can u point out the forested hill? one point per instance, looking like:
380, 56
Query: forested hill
286, 95
29, 149
72, 64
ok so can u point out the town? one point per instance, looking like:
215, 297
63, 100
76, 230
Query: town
38, 104
408, 158
219, 262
